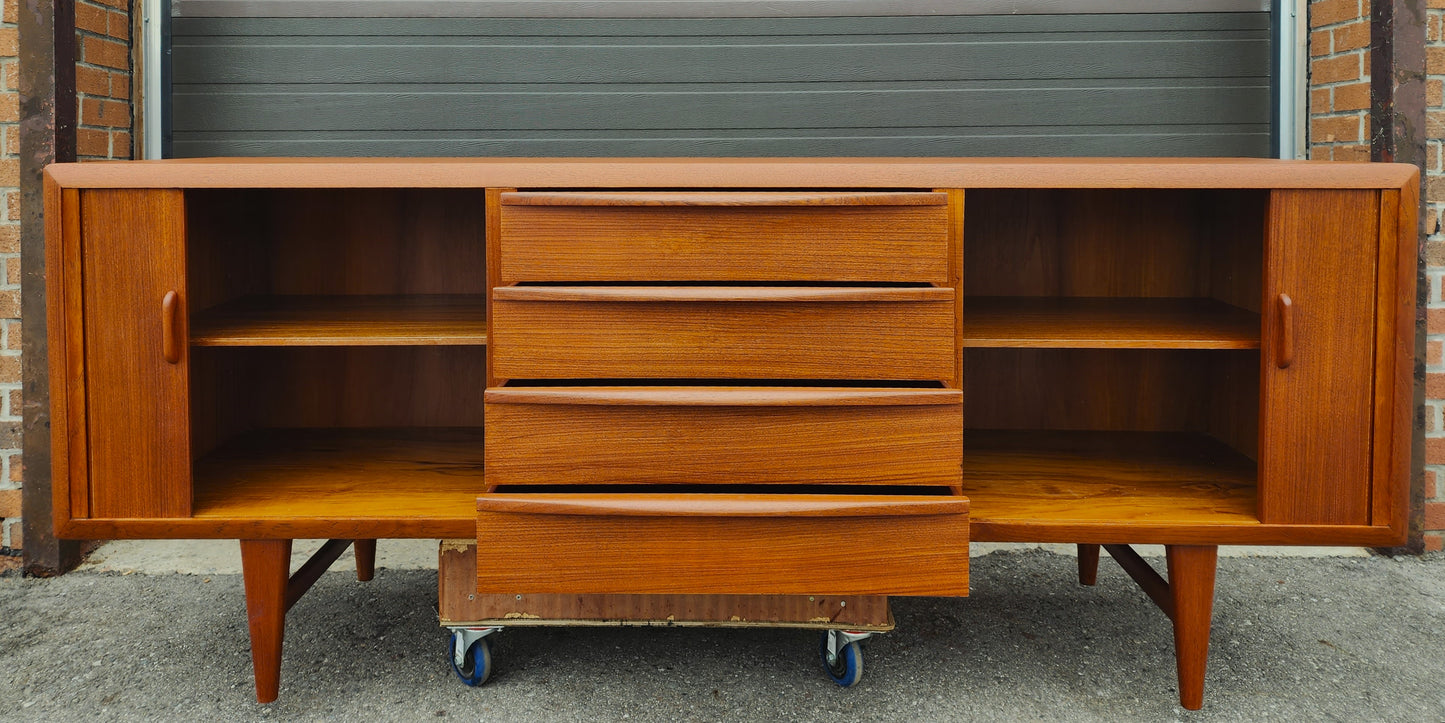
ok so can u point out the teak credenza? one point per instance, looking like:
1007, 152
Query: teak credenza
702, 377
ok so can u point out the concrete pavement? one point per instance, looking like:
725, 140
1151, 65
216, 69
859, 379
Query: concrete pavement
1323, 638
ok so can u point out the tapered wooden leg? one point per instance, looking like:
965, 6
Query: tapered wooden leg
1088, 564
365, 551
266, 567
1191, 586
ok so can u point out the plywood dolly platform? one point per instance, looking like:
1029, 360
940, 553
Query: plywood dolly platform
473, 619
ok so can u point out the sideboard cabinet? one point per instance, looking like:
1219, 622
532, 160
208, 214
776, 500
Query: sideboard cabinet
893, 356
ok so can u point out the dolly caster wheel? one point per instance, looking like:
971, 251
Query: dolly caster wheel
471, 656
842, 656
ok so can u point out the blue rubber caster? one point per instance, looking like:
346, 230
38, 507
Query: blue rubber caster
476, 660
842, 661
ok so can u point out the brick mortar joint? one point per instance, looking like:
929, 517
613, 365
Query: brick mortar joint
102, 68
82, 33
1313, 28
1333, 84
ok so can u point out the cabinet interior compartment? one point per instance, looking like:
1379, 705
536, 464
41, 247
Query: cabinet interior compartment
309, 267
1112, 433
1113, 268
1111, 362
327, 431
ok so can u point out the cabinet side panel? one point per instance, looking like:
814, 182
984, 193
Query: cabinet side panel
493, 234
226, 391
1395, 347
1406, 275
228, 246
1083, 242
1318, 357
1234, 400
228, 250
138, 421
1233, 227
427, 386
375, 241
67, 368
1100, 389
956, 200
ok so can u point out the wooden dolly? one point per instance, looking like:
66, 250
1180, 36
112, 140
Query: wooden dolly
473, 617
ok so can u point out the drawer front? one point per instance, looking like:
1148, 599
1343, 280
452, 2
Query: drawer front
722, 544
703, 435
718, 237
711, 333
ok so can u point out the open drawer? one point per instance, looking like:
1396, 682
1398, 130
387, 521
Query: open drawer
722, 543
718, 332
789, 236
570, 435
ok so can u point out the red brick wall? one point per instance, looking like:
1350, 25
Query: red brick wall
1339, 80
1435, 273
10, 471
102, 79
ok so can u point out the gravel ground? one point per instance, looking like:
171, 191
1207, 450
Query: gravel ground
1319, 639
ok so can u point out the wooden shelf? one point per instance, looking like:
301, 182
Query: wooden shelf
1107, 323
1025, 486
416, 320
414, 475
436, 473
1117, 478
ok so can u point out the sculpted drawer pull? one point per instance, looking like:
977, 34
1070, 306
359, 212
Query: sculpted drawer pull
170, 345
791, 294
722, 198
682, 504
1285, 354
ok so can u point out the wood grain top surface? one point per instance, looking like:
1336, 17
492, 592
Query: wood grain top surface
731, 173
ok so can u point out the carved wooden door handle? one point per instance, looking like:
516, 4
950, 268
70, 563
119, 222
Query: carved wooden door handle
1284, 351
170, 345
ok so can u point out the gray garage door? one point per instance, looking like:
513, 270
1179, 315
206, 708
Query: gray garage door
327, 79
